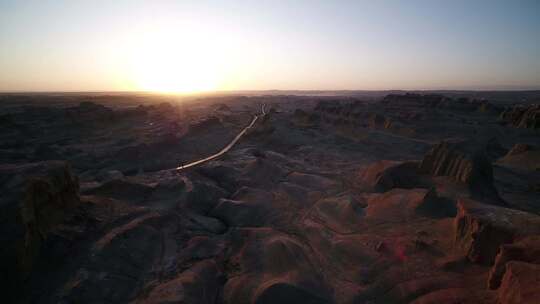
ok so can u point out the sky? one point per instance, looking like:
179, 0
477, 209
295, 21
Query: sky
192, 46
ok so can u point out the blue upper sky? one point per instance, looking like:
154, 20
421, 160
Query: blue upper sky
209, 45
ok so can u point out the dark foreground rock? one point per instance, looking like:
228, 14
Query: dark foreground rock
520, 284
522, 156
526, 250
481, 229
35, 200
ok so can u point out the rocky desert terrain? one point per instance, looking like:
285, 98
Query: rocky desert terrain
394, 197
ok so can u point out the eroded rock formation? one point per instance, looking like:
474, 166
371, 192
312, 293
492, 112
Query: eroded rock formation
523, 116
480, 229
465, 162
385, 175
36, 199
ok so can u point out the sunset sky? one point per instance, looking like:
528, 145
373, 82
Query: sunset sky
191, 46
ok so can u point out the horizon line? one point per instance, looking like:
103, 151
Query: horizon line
533, 89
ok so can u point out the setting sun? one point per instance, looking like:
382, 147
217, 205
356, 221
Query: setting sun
167, 63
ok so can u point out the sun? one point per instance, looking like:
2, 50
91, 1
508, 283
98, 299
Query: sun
174, 64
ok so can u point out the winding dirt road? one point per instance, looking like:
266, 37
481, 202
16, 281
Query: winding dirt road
227, 147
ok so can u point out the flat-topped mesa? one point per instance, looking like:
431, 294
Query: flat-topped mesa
466, 162
527, 117
35, 200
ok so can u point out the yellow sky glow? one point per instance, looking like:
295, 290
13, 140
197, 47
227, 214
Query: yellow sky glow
179, 62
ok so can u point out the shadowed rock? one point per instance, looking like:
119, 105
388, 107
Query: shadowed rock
89, 112
122, 189
526, 250
287, 294
199, 284
340, 213
311, 181
481, 229
247, 208
522, 156
520, 284
385, 175
465, 162
523, 116
399, 204
203, 196
273, 268
35, 200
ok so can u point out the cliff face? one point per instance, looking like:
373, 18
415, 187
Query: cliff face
457, 160
523, 116
520, 283
466, 162
35, 200
508, 240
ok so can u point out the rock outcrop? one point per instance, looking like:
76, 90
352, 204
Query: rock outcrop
35, 200
520, 284
465, 162
522, 156
273, 268
340, 213
523, 116
481, 229
526, 250
385, 175
399, 204
247, 208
